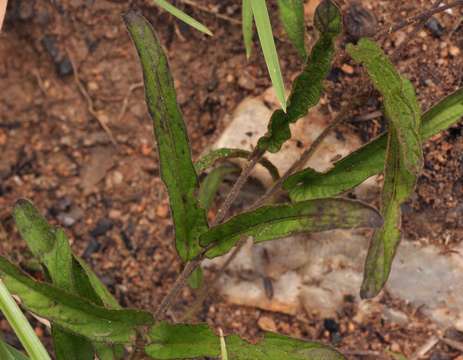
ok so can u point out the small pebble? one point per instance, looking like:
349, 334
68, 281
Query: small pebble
266, 323
101, 227
454, 51
246, 82
347, 69
162, 211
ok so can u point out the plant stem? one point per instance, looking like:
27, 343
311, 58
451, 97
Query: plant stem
21, 325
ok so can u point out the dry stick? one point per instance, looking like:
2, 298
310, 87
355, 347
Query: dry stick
453, 343
424, 15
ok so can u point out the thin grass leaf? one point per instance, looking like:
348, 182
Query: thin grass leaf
308, 86
177, 170
404, 159
292, 18
8, 352
70, 312
179, 14
171, 342
369, 160
215, 156
278, 221
247, 26
21, 326
267, 43
223, 346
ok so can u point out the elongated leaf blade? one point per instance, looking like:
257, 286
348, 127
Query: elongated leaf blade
72, 313
179, 14
196, 341
247, 26
215, 156
267, 43
292, 18
404, 159
273, 222
308, 86
8, 352
177, 170
369, 160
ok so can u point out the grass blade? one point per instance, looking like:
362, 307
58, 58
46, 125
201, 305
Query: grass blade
177, 170
247, 26
179, 14
21, 326
267, 43
292, 17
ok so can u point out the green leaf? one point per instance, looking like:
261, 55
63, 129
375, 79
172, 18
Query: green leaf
69, 346
196, 278
404, 159
70, 312
211, 184
177, 170
267, 43
213, 157
369, 160
21, 326
197, 341
292, 17
247, 26
8, 352
273, 222
308, 86
179, 14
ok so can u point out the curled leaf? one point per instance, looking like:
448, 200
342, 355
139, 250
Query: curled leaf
308, 86
278, 221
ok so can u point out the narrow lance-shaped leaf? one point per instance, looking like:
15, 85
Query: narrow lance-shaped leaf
247, 26
404, 159
177, 170
308, 86
51, 247
213, 157
267, 43
292, 17
369, 160
71, 312
179, 14
8, 352
274, 222
197, 341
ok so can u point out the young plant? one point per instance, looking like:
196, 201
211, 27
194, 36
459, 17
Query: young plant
87, 321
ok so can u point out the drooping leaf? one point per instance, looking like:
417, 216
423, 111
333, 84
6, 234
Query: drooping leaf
267, 43
292, 18
213, 157
211, 183
51, 247
308, 86
177, 170
70, 312
404, 159
197, 341
369, 160
8, 352
273, 222
247, 26
179, 14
